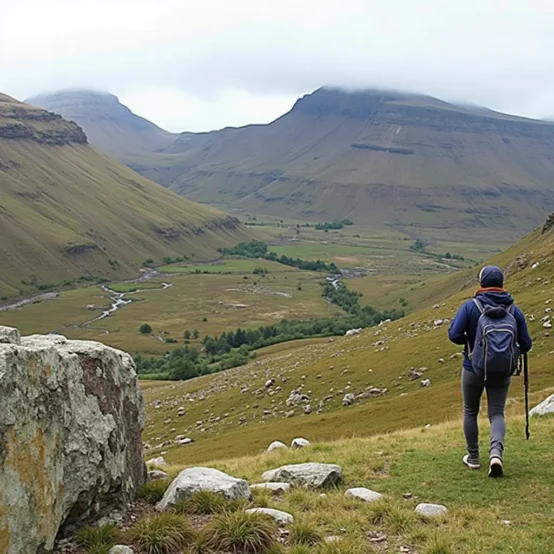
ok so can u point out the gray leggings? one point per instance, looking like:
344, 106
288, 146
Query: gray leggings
472, 390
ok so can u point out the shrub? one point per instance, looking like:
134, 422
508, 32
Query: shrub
395, 518
303, 532
345, 546
200, 545
97, 540
161, 534
145, 329
242, 533
153, 491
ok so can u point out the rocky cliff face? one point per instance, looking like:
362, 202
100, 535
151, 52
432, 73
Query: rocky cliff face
70, 436
20, 121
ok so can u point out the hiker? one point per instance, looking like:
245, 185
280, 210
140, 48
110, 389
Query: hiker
490, 361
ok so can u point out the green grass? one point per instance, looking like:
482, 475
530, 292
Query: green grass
223, 266
427, 465
161, 534
133, 287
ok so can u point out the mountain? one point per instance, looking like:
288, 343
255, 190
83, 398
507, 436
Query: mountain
69, 212
108, 124
381, 158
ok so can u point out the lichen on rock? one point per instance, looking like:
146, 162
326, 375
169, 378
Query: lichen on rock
70, 436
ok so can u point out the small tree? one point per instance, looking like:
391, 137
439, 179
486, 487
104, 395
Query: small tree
145, 329
187, 335
195, 334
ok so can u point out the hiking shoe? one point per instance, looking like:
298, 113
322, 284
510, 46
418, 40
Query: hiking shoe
472, 464
496, 468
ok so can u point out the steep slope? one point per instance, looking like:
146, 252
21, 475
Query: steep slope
240, 415
379, 158
67, 211
108, 124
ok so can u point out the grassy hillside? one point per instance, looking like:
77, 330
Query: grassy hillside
68, 212
421, 465
231, 414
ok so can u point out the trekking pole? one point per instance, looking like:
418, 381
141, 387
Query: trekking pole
526, 385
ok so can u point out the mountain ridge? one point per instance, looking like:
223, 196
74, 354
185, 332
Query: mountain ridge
382, 158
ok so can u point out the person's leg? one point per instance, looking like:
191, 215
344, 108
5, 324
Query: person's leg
496, 398
472, 389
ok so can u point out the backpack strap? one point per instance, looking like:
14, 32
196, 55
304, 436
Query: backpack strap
479, 305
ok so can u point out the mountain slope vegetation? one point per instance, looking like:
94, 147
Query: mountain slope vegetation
240, 415
69, 212
384, 159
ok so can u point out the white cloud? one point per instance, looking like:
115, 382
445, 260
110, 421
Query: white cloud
229, 62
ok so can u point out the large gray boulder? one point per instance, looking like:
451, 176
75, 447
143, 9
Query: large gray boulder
197, 479
70, 437
544, 408
312, 475
431, 510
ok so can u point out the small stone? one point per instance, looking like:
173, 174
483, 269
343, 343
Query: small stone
275, 488
363, 494
307, 409
157, 475
425, 383
275, 445
121, 549
348, 399
544, 408
281, 518
269, 383
156, 462
431, 510
300, 443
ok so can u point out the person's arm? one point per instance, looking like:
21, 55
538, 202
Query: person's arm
457, 332
523, 338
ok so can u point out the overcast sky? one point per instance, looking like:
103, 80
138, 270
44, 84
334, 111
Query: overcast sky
205, 64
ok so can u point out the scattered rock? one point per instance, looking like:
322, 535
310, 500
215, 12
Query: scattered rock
312, 475
431, 510
425, 383
363, 494
296, 398
197, 479
300, 443
157, 475
275, 445
307, 409
544, 408
275, 488
269, 383
352, 332
159, 461
547, 325
349, 399
281, 518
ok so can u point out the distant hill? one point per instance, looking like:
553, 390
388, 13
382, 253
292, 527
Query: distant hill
108, 124
69, 212
381, 158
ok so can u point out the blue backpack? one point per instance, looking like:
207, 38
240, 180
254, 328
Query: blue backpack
496, 352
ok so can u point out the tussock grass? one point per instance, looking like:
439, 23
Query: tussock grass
161, 534
98, 540
205, 502
304, 532
153, 491
242, 533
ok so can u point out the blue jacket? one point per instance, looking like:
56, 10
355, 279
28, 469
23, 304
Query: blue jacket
464, 326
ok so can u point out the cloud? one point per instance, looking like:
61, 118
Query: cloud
219, 62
